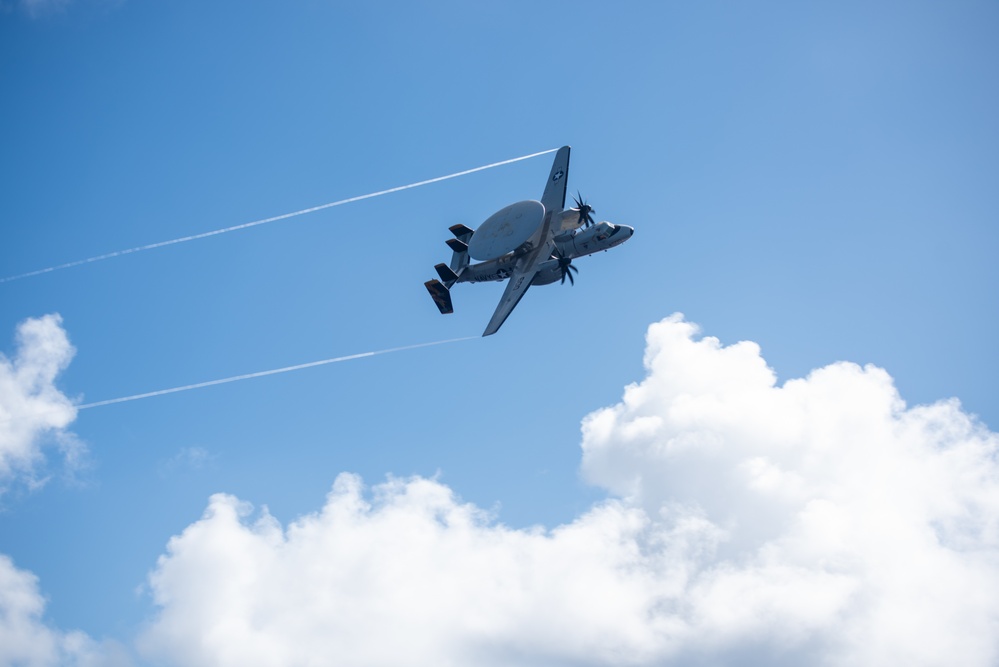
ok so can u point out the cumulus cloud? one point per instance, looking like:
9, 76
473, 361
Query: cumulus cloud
26, 640
33, 412
847, 517
821, 521
414, 577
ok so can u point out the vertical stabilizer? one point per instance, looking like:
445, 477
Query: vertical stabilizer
441, 296
459, 258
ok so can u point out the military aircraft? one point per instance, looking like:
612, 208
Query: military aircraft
528, 243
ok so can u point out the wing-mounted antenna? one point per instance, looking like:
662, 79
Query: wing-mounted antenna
554, 197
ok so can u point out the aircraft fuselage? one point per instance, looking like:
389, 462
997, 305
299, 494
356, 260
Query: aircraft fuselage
601, 236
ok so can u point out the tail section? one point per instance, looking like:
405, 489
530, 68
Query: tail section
459, 244
448, 277
440, 290
441, 296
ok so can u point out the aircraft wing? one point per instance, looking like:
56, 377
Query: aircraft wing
526, 268
523, 275
554, 197
515, 290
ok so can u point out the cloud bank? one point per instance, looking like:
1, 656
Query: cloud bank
33, 412
816, 522
25, 640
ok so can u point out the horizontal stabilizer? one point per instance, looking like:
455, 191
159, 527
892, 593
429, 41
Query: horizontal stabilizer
441, 296
447, 275
457, 245
461, 232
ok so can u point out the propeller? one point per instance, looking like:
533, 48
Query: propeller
565, 264
585, 210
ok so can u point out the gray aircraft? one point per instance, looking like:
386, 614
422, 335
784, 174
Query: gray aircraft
529, 243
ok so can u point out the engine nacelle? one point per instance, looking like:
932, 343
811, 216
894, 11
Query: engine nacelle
548, 273
601, 236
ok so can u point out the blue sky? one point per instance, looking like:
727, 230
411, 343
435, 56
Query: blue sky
818, 179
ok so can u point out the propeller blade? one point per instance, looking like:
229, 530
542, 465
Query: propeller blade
565, 265
585, 210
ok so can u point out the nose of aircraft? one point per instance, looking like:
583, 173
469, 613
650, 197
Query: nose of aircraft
625, 231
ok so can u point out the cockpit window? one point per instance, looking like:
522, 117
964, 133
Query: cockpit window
606, 232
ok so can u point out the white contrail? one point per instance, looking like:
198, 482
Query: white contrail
275, 371
247, 225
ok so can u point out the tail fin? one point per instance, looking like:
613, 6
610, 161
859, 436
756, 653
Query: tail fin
440, 291
448, 276
459, 258
457, 246
440, 295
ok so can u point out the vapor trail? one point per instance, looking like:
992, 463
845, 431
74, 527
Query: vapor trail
285, 216
275, 371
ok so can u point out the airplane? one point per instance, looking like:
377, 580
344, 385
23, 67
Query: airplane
528, 243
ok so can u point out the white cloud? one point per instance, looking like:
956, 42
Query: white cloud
818, 522
415, 578
25, 640
33, 412
882, 520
